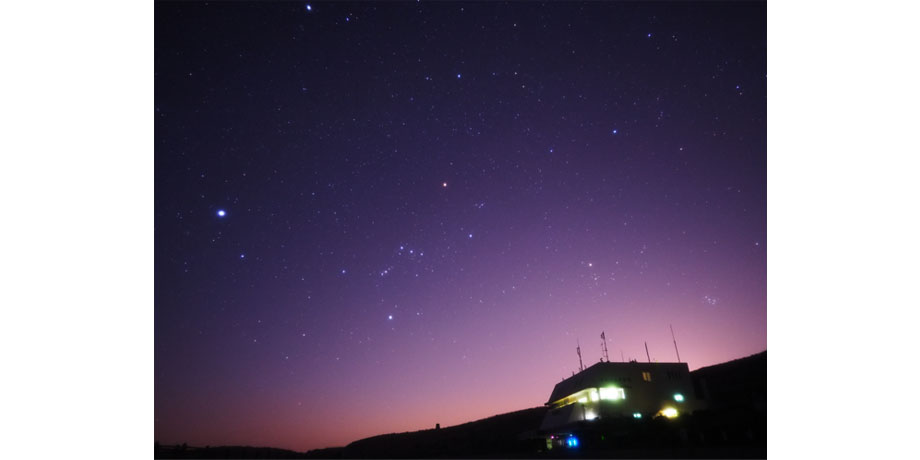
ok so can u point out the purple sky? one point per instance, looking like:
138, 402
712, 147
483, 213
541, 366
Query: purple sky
375, 217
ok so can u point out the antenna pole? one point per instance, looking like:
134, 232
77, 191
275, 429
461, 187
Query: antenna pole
646, 352
622, 359
581, 366
604, 345
675, 342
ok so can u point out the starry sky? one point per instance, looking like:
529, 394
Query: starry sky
375, 217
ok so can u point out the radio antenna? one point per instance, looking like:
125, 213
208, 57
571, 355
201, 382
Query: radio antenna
604, 346
675, 343
581, 366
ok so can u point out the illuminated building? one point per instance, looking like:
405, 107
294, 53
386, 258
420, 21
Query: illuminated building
619, 390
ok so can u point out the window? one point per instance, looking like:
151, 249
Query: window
612, 393
647, 376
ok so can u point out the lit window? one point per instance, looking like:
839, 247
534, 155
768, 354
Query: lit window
612, 393
679, 397
647, 376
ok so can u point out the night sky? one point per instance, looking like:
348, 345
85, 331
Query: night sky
375, 217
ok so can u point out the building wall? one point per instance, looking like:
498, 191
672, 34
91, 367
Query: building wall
648, 388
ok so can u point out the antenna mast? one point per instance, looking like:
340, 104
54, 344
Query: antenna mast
581, 366
604, 346
646, 352
675, 342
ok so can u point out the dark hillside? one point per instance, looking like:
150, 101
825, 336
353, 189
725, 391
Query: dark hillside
497, 435
736, 385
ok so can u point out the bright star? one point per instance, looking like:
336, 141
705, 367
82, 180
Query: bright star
458, 75
242, 256
614, 131
309, 8
470, 235
444, 184
221, 213
390, 317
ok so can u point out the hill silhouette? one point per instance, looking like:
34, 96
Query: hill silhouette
185, 451
498, 435
733, 426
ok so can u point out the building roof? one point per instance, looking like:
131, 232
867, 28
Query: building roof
600, 374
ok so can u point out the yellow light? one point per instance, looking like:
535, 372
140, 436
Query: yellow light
612, 393
669, 412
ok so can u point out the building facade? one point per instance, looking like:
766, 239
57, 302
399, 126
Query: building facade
620, 390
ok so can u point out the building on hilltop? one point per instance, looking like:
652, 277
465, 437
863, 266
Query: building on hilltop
608, 390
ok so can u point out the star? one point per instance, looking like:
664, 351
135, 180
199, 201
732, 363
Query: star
444, 184
221, 213
614, 131
309, 7
242, 256
390, 317
458, 75
470, 235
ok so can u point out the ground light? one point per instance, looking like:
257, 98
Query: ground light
637, 415
571, 442
669, 412
679, 397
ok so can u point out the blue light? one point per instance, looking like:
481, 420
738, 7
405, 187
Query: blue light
221, 213
572, 442
459, 76
678, 397
637, 415
309, 8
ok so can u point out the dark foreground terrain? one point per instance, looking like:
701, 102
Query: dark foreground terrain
734, 426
